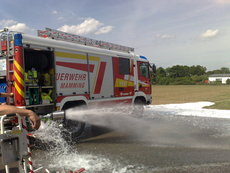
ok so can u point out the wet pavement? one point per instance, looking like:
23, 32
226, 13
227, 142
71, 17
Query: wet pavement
153, 143
178, 144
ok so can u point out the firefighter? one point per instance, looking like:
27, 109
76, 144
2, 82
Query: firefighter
7, 109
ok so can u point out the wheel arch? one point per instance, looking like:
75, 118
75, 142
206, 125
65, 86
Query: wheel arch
71, 104
73, 101
140, 96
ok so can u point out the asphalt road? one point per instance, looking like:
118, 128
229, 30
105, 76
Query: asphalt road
160, 144
169, 145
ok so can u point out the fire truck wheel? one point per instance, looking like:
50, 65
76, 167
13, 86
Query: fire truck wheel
138, 108
73, 129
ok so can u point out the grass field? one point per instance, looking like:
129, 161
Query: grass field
166, 94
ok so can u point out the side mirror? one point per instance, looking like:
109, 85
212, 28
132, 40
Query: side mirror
154, 68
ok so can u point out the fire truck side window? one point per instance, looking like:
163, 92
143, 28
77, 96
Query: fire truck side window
124, 66
144, 70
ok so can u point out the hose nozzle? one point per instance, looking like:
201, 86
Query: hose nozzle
58, 115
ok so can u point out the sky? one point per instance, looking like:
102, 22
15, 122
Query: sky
168, 32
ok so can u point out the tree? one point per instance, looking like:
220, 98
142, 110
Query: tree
178, 71
228, 81
197, 70
161, 72
224, 70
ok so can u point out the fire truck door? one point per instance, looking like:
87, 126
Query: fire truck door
101, 85
123, 77
144, 77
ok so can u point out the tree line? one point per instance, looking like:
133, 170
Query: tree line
185, 75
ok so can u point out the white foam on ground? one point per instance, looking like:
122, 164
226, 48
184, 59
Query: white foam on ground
189, 109
74, 161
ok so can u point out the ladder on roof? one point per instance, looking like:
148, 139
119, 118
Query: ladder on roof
59, 35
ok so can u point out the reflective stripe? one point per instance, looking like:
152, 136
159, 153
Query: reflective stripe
18, 66
76, 56
19, 90
123, 83
19, 79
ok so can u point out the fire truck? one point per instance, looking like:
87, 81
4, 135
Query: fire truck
57, 70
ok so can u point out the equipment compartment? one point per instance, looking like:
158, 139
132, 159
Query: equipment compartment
39, 77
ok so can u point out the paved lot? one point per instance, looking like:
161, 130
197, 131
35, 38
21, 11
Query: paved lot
179, 144
161, 144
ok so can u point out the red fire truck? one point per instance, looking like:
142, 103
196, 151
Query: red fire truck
57, 70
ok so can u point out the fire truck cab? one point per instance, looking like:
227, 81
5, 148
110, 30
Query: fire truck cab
56, 71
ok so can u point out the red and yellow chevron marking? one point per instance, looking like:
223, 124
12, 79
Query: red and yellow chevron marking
123, 83
19, 77
19, 82
100, 77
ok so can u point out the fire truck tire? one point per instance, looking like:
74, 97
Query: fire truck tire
74, 129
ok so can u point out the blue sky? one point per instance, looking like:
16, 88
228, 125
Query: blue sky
168, 32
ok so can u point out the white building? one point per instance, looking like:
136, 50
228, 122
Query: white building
219, 77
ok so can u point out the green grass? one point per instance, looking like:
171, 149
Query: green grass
219, 94
225, 104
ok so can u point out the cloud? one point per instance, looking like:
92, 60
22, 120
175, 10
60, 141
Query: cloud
19, 27
5, 23
54, 12
14, 25
210, 33
60, 18
88, 26
165, 36
104, 30
222, 1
